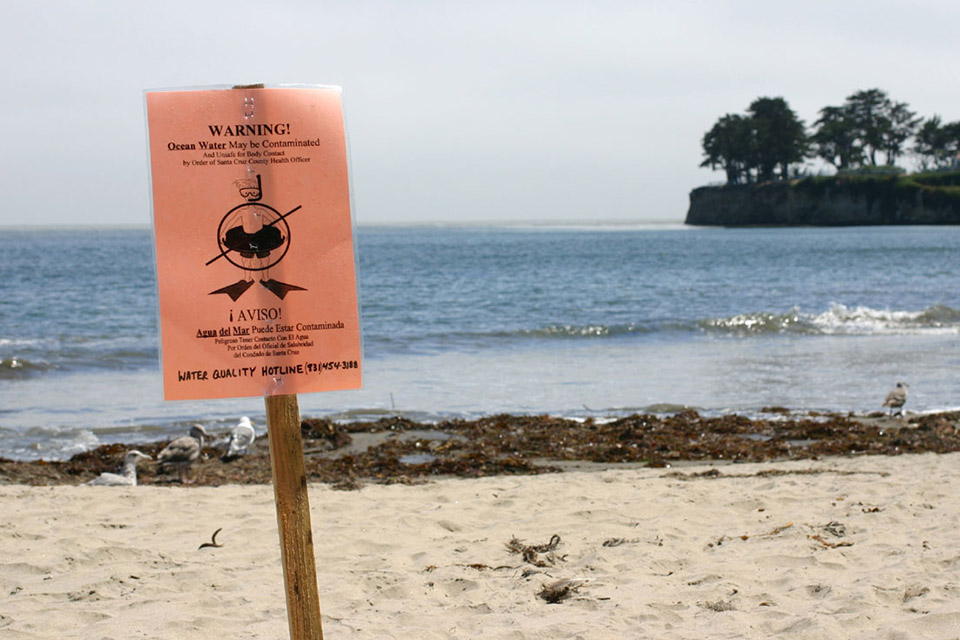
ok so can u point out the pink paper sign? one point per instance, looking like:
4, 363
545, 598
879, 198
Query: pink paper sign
254, 242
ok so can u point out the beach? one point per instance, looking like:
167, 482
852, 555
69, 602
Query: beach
840, 547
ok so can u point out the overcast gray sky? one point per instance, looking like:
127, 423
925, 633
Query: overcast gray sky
457, 112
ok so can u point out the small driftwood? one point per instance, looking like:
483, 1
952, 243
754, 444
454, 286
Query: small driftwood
213, 540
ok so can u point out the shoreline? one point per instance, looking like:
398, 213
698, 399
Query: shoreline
398, 450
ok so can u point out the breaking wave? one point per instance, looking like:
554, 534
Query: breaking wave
14, 367
46, 443
840, 319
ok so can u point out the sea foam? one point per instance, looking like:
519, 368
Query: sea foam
840, 319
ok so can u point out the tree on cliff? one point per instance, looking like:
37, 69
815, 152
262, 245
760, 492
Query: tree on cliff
756, 145
867, 110
779, 135
902, 125
937, 144
835, 139
730, 145
850, 135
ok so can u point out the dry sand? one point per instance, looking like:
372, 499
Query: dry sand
864, 547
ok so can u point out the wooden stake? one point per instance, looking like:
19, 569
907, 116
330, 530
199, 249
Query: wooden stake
293, 517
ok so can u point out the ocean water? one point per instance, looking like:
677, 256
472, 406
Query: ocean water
463, 322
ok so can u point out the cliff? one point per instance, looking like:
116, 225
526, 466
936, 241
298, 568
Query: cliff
927, 198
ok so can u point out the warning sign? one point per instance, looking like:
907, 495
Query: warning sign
254, 242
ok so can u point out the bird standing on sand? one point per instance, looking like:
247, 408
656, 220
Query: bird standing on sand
183, 452
128, 474
897, 398
241, 438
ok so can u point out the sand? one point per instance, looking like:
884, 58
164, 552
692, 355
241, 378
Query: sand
863, 547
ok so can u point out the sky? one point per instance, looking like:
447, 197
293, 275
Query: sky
457, 112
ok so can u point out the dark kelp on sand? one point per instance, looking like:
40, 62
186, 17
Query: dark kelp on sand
399, 450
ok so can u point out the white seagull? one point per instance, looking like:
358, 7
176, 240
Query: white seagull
128, 474
241, 438
183, 452
897, 398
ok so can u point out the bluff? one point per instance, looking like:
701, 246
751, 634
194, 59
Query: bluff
925, 198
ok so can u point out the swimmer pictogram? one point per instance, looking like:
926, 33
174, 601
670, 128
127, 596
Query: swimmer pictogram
254, 237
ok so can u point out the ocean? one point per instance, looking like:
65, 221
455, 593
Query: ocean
574, 321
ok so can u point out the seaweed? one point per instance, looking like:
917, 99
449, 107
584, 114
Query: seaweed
557, 592
507, 444
531, 552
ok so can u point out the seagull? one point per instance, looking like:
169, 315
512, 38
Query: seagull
897, 398
128, 474
184, 451
241, 438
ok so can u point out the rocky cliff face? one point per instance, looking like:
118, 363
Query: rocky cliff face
825, 202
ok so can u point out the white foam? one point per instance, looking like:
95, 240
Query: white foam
841, 319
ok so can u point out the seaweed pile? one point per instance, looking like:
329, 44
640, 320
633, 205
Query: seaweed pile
400, 450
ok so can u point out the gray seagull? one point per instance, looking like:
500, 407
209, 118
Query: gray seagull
183, 452
897, 398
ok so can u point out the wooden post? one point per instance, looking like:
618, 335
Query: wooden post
293, 517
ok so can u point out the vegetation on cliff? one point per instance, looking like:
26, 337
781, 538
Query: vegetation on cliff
769, 140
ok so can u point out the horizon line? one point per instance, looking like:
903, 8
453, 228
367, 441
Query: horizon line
623, 223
